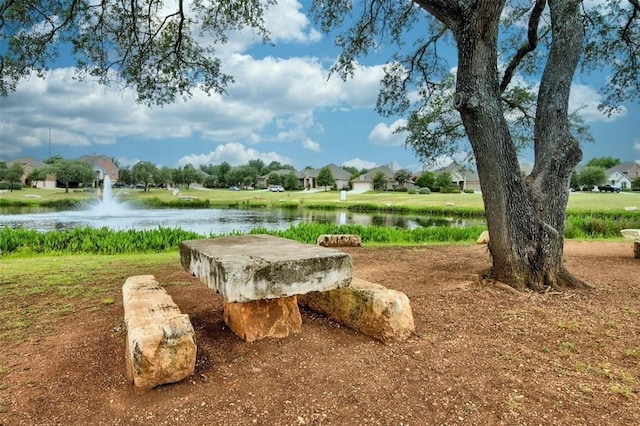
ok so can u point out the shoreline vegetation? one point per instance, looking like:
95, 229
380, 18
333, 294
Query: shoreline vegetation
592, 216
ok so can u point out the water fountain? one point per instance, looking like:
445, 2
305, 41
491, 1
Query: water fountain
109, 205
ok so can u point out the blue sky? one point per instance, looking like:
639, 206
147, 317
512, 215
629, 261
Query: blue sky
281, 107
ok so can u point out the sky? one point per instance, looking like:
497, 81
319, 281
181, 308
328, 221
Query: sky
282, 107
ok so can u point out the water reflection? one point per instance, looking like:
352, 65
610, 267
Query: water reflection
210, 221
410, 221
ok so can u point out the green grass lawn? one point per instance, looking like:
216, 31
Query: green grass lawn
580, 201
35, 291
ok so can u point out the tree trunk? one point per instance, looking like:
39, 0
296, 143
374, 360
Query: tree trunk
525, 217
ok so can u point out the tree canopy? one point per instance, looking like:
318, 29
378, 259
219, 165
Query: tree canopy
604, 162
325, 178
69, 172
155, 46
592, 176
11, 174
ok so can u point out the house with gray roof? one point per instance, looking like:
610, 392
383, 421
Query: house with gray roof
464, 177
623, 174
341, 177
364, 182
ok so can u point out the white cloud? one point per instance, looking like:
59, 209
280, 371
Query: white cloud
636, 146
586, 99
385, 135
298, 84
285, 93
310, 145
127, 162
359, 164
233, 153
286, 22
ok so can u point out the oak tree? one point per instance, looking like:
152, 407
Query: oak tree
514, 67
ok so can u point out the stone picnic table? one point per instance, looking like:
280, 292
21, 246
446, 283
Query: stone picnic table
260, 277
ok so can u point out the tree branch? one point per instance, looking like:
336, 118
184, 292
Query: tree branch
528, 47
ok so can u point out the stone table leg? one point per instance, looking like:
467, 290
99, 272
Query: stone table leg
264, 318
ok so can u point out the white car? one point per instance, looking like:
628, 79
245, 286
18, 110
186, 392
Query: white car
276, 188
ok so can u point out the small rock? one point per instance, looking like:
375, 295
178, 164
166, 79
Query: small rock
483, 238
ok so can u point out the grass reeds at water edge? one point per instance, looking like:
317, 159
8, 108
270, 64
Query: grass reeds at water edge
105, 241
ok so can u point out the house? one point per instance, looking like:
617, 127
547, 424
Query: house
623, 174
341, 177
30, 164
102, 166
364, 182
262, 181
464, 177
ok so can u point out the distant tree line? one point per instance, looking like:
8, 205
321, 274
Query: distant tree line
73, 173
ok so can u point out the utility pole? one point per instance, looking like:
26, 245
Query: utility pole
49, 142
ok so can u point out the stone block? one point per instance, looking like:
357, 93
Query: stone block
264, 318
636, 249
256, 267
339, 240
369, 308
483, 238
630, 234
160, 345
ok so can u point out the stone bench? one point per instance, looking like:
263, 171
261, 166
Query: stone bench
260, 277
368, 308
339, 240
160, 345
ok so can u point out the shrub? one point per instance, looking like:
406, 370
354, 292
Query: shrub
411, 191
450, 190
11, 186
425, 191
469, 191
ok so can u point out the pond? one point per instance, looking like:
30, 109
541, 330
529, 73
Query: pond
209, 221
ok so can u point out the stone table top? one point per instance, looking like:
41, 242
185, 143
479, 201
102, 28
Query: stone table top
256, 267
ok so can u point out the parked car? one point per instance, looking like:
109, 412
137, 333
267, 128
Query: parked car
276, 188
608, 188
234, 188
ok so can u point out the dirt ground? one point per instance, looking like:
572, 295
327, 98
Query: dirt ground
481, 356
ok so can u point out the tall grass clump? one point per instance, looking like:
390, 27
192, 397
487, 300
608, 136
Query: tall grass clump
309, 232
176, 203
92, 240
599, 225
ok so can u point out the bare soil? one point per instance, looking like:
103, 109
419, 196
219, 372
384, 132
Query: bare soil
480, 356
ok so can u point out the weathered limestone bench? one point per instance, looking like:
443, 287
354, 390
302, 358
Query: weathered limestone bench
260, 276
160, 345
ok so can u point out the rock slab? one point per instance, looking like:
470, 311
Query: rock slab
275, 318
631, 234
339, 240
483, 238
366, 307
256, 267
636, 249
160, 345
